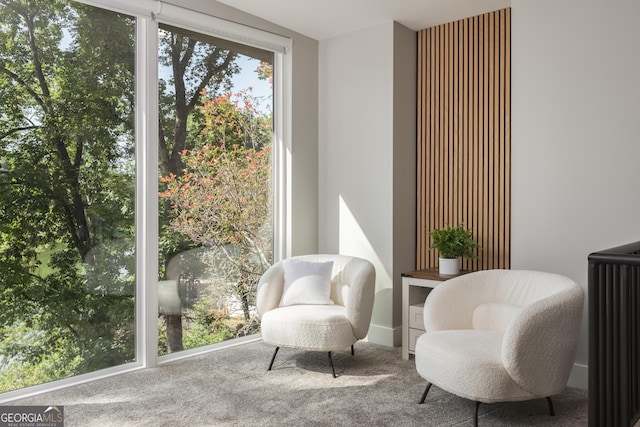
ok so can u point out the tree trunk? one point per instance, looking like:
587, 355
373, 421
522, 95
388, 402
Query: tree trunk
174, 332
174, 321
245, 307
182, 51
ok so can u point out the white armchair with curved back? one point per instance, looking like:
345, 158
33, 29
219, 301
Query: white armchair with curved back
500, 335
316, 303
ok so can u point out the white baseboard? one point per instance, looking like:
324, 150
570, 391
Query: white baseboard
383, 335
579, 377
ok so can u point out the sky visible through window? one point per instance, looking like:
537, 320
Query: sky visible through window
247, 77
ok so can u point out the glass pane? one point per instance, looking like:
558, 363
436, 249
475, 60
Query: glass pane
216, 235
66, 190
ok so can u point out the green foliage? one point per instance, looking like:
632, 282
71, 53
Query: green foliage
30, 357
454, 242
203, 68
54, 366
66, 190
67, 180
212, 324
199, 336
162, 337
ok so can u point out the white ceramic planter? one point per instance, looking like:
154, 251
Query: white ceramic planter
449, 266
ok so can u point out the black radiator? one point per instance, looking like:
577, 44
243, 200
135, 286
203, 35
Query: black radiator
614, 336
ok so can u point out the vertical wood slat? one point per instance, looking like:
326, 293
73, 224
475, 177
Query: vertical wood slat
466, 162
435, 130
464, 135
475, 40
507, 135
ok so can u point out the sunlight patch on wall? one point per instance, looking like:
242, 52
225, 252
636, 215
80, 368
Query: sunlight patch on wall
353, 241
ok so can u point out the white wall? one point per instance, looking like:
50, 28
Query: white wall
355, 174
358, 142
575, 136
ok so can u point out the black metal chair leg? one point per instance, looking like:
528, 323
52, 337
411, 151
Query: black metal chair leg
352, 353
551, 411
424, 395
475, 415
273, 358
333, 371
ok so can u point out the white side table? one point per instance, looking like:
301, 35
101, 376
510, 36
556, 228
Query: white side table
416, 285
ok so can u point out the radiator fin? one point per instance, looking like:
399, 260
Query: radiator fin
614, 336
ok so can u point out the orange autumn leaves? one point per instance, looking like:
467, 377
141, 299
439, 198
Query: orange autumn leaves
223, 196
236, 119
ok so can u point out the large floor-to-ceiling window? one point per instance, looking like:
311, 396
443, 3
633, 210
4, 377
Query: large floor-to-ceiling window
138, 165
215, 212
67, 190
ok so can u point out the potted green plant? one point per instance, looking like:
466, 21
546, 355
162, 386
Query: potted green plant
453, 243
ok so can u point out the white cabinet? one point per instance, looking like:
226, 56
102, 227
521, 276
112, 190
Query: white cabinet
416, 285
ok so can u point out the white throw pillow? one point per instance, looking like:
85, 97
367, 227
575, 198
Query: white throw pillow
306, 282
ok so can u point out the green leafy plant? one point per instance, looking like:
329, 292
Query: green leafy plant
454, 242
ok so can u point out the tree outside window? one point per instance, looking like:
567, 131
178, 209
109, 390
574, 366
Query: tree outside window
67, 189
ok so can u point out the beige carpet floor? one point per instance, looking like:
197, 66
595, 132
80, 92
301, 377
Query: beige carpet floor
231, 387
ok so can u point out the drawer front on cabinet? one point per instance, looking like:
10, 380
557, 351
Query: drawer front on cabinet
423, 283
415, 316
413, 337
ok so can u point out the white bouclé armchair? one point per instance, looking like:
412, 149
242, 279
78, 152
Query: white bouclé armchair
500, 335
316, 303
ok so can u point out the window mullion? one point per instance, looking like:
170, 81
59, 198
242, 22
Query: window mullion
147, 192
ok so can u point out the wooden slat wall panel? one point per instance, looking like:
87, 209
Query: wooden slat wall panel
464, 135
